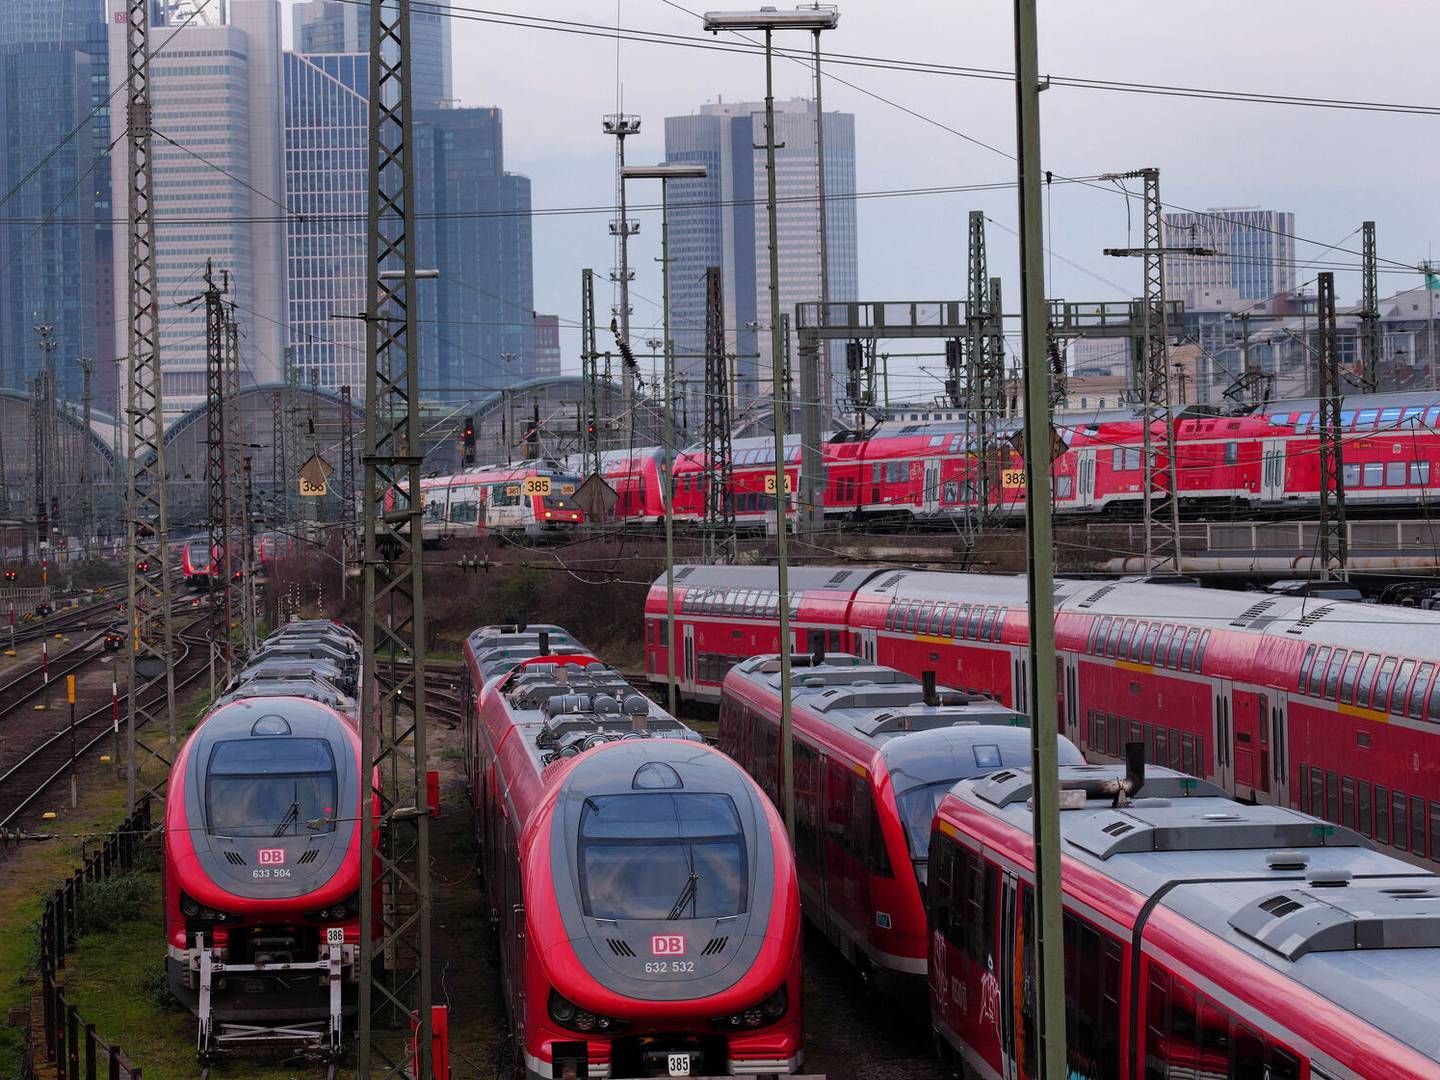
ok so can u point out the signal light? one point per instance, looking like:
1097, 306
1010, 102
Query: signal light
143, 566
10, 575
854, 356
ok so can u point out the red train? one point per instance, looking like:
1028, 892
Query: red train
640, 885
1331, 707
262, 861
1202, 938
875, 750
531, 498
916, 471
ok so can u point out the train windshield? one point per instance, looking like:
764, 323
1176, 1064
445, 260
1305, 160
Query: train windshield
917, 810
662, 855
271, 787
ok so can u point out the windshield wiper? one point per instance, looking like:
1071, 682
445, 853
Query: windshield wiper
291, 816
686, 897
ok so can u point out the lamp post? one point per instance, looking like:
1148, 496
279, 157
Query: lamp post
769, 20
665, 173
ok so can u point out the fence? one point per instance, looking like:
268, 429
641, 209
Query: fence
71, 1044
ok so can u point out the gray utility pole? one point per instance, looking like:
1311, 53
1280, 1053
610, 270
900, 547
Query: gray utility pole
769, 20
590, 368
222, 649
1152, 380
816, 379
1040, 577
347, 489
1369, 311
621, 126
48, 457
1334, 544
4, 480
666, 173
279, 466
720, 540
393, 603
146, 518
237, 539
250, 614
37, 456
87, 479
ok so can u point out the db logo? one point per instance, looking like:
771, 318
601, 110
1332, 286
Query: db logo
668, 945
272, 856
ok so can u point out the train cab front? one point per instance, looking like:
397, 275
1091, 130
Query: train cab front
664, 936
262, 866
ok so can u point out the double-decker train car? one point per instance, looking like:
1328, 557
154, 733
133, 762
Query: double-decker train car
532, 499
1327, 706
874, 752
1202, 938
640, 885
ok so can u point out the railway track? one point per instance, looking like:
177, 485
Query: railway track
48, 760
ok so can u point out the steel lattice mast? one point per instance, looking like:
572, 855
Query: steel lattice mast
87, 478
216, 482
1334, 554
393, 601
590, 370
237, 550
719, 479
985, 367
147, 523
1369, 312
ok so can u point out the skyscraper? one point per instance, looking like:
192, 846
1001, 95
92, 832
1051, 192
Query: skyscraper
326, 191
56, 229
219, 188
548, 357
1254, 256
722, 221
338, 26
474, 227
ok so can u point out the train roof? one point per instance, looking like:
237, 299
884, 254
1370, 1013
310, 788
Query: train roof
1391, 400
314, 688
1309, 900
563, 708
926, 741
696, 576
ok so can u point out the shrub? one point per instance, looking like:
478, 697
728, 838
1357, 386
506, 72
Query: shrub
108, 904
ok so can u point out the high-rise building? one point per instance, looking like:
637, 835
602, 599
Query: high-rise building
722, 221
341, 26
55, 234
478, 325
219, 193
1254, 256
547, 347
326, 192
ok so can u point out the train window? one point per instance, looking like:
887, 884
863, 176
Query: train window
662, 854
1348, 677
1214, 1032
1162, 752
926, 610
1249, 1062
1417, 691
1317, 673
947, 622
1122, 639
1148, 653
1399, 835
1435, 702
1332, 796
268, 787
1374, 473
1098, 632
1435, 831
1200, 650
972, 627
1187, 754
912, 616
1317, 791
1417, 826
1382, 815
1305, 666
1163, 645
1365, 685
1347, 802
1347, 417
1352, 475
1420, 473
1381, 696
1302, 422
1332, 675
1304, 787
1232, 453
662, 631
1362, 807
961, 614
1395, 474
1284, 1066
1366, 418
1187, 652
987, 621
890, 616
1176, 751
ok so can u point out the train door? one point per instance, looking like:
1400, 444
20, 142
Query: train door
867, 644
1070, 676
1272, 473
1280, 752
1020, 691
688, 675
1264, 751
1222, 737
1244, 719
1085, 479
932, 485
1010, 962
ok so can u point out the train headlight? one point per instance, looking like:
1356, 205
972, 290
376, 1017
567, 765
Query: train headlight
341, 909
193, 909
569, 1015
767, 1012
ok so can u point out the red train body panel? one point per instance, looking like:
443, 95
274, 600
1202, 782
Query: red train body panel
1201, 955
1327, 706
569, 773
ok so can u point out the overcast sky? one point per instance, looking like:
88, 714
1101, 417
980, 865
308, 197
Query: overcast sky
1332, 168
